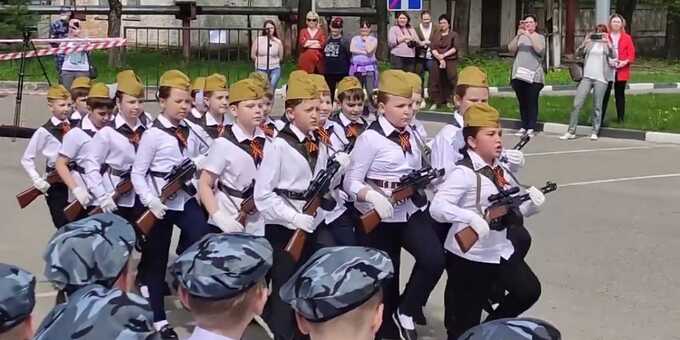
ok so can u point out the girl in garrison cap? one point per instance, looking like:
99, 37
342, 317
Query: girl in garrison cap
460, 201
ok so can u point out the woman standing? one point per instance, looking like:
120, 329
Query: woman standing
267, 53
444, 71
337, 55
402, 40
364, 64
311, 42
599, 55
625, 51
424, 59
527, 71
76, 64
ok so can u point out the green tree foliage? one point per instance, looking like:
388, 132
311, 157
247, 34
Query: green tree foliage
15, 18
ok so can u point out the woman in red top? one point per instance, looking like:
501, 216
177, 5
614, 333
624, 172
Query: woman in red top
311, 41
625, 52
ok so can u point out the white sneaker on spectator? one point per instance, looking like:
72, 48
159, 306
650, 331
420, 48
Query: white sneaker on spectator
593, 136
531, 133
433, 107
423, 105
520, 132
567, 136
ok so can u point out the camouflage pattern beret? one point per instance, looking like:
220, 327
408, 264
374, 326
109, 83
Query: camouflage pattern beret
336, 280
17, 296
95, 312
221, 266
513, 329
94, 249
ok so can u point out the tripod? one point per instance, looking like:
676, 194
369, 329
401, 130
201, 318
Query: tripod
26, 46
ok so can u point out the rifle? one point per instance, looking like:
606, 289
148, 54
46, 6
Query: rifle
502, 204
522, 142
409, 185
122, 188
314, 199
31, 193
247, 206
178, 179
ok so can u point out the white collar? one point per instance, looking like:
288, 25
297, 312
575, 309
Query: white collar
197, 114
346, 121
86, 124
55, 121
478, 162
388, 128
200, 333
119, 121
166, 122
211, 121
242, 135
76, 115
459, 118
301, 136
327, 124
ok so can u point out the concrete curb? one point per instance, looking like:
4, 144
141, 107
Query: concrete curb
557, 128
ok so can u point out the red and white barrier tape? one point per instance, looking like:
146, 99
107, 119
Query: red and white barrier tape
51, 41
86, 46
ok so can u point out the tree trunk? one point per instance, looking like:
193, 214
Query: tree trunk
461, 23
383, 49
115, 15
673, 34
627, 8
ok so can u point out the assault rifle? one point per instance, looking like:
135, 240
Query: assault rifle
122, 188
31, 193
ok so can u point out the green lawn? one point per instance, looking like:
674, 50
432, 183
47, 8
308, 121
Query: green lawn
150, 64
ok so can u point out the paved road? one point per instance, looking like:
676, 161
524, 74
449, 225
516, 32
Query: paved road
605, 247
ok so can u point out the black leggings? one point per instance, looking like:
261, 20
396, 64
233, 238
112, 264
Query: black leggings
469, 284
619, 95
527, 96
57, 199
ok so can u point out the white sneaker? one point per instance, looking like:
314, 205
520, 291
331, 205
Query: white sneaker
520, 132
423, 105
530, 133
567, 136
593, 136
433, 107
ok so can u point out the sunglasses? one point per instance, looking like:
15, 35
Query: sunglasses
313, 20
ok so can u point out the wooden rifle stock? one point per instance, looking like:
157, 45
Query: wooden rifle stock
371, 219
73, 210
296, 244
122, 188
247, 208
146, 222
31, 193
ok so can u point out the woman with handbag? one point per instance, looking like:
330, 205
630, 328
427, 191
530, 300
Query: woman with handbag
598, 71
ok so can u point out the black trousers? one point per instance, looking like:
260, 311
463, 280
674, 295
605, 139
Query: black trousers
619, 95
340, 232
154, 262
443, 81
406, 64
280, 316
332, 80
131, 214
469, 285
527, 97
57, 199
419, 238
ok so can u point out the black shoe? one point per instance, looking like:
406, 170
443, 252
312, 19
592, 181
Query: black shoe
168, 333
419, 317
407, 330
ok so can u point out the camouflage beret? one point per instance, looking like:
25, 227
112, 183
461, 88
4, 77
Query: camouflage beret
17, 296
94, 249
335, 280
96, 312
221, 266
513, 329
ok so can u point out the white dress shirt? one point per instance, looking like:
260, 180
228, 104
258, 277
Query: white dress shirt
338, 194
339, 136
376, 157
44, 143
236, 169
447, 143
202, 334
283, 167
75, 147
110, 147
197, 126
76, 116
420, 128
455, 202
159, 151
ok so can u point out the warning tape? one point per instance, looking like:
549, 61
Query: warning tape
86, 46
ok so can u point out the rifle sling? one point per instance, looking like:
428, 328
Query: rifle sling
233, 192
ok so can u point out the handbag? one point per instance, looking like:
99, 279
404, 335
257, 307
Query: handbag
576, 71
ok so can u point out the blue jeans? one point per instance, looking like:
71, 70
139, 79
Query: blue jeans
274, 75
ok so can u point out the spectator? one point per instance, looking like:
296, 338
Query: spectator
625, 52
444, 71
364, 64
337, 55
402, 40
424, 31
527, 71
76, 64
267, 53
59, 30
597, 73
311, 42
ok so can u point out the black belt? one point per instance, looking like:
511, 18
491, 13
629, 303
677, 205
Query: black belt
78, 168
158, 173
235, 193
384, 184
49, 168
298, 196
120, 173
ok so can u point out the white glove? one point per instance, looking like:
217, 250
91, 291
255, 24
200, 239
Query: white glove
380, 203
480, 225
198, 161
107, 204
82, 196
537, 197
304, 222
514, 157
41, 185
343, 159
225, 222
156, 207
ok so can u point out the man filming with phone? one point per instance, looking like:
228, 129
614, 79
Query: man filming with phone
76, 64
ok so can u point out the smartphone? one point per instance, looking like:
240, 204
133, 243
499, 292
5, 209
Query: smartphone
597, 36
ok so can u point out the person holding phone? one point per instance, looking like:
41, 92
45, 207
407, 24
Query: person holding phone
76, 64
267, 53
625, 53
